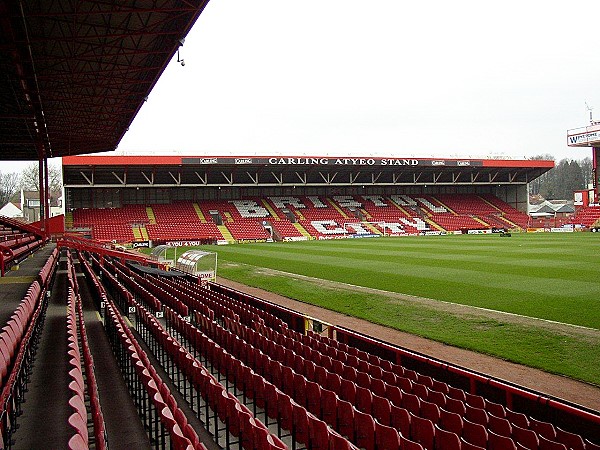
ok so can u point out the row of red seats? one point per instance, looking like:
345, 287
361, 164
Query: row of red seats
495, 422
77, 337
147, 290
78, 419
123, 282
17, 350
239, 421
225, 306
304, 427
199, 299
587, 216
14, 250
325, 402
436, 400
147, 381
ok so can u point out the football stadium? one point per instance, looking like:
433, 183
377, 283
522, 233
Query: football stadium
256, 302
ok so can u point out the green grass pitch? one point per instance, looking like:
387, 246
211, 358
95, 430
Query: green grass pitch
555, 277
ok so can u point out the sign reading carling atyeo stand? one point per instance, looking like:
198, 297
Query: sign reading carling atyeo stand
327, 161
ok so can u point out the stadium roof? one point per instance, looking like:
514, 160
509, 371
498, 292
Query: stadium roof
195, 171
73, 75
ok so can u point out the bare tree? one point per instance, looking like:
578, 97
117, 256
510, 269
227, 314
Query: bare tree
9, 185
30, 179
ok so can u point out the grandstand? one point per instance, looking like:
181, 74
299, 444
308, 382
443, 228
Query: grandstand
102, 348
222, 200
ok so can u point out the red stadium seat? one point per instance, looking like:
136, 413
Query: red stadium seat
446, 440
422, 431
386, 438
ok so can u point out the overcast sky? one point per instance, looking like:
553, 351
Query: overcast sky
384, 77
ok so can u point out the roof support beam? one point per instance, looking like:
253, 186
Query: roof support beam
328, 177
302, 177
90, 181
121, 180
149, 180
253, 178
278, 178
203, 179
229, 178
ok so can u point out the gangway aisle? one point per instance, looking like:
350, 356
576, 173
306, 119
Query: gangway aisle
45, 419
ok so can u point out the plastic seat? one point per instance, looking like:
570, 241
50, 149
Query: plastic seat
319, 434
542, 428
290, 380
475, 433
446, 440
339, 442
386, 438
496, 409
422, 431
334, 382
411, 403
464, 445
456, 406
498, 442
300, 427
589, 445
313, 398
382, 410
400, 420
420, 390
450, 421
285, 414
348, 391
345, 419
329, 405
439, 386
457, 394
364, 400
526, 438
571, 440
499, 425
364, 426
517, 418
363, 379
476, 401
430, 411
437, 397
549, 444
378, 387
394, 395
476, 415
405, 384
408, 444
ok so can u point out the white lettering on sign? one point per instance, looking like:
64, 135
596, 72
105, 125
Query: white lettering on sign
316, 201
347, 201
249, 208
327, 227
358, 228
403, 200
